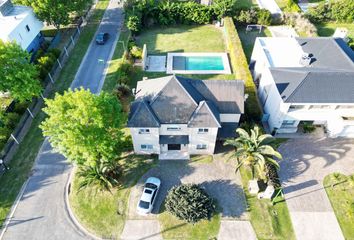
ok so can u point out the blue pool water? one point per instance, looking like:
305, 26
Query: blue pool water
198, 63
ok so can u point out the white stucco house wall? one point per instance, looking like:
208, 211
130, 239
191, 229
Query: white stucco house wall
176, 117
305, 80
19, 24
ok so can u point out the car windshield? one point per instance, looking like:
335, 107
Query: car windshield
144, 205
150, 185
100, 36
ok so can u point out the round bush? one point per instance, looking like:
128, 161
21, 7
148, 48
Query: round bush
190, 203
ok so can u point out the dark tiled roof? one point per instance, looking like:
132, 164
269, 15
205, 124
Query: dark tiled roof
227, 130
206, 115
303, 85
141, 115
328, 52
175, 99
174, 104
174, 139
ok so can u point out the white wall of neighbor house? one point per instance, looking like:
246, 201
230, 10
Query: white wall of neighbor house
202, 141
26, 30
145, 140
228, 117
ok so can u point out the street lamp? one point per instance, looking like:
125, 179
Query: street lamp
3, 163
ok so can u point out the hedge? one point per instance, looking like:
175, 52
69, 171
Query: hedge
241, 70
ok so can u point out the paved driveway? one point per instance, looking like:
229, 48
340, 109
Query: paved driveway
41, 212
305, 164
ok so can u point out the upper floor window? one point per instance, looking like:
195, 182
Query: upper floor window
297, 106
27, 28
146, 147
288, 123
203, 130
320, 106
345, 107
144, 131
173, 128
201, 146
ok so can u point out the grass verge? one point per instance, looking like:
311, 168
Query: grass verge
173, 228
340, 191
22, 162
269, 221
104, 213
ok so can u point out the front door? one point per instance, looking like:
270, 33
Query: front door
172, 147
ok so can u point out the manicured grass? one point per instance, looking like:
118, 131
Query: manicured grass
117, 58
104, 213
248, 39
328, 29
282, 4
173, 228
22, 162
241, 4
340, 191
269, 221
182, 38
201, 159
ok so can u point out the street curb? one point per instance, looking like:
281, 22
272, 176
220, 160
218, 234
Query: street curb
69, 211
19, 196
13, 209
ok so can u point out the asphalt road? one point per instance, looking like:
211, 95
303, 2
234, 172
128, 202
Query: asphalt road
41, 212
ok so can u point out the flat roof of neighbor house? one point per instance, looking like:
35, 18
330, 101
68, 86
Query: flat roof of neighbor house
326, 52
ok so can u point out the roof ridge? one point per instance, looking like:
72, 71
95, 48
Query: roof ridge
342, 51
298, 86
185, 90
201, 104
143, 102
206, 102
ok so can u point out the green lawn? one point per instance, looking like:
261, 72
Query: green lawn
173, 228
104, 213
340, 191
246, 3
201, 159
269, 221
248, 39
328, 29
22, 162
182, 38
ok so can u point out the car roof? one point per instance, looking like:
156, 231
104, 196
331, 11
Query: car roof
146, 196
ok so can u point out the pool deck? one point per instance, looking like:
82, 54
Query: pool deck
225, 59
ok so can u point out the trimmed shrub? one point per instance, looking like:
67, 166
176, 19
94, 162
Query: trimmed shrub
45, 64
264, 17
338, 11
136, 52
11, 120
123, 91
301, 24
134, 23
189, 202
242, 72
247, 16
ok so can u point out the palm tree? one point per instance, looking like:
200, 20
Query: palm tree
253, 151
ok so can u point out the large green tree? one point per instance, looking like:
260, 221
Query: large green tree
253, 150
17, 75
56, 12
84, 127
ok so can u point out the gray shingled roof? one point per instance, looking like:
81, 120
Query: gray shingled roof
141, 115
303, 85
228, 96
206, 115
175, 100
227, 130
327, 52
173, 104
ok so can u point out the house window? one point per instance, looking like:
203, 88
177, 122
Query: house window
144, 131
173, 128
320, 107
287, 123
146, 147
203, 130
345, 107
297, 106
201, 146
27, 28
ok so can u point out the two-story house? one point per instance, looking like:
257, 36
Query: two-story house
19, 24
176, 117
305, 80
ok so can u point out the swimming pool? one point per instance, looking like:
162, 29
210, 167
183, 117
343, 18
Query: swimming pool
198, 63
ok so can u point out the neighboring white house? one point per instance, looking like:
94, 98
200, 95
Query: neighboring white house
305, 80
19, 24
175, 117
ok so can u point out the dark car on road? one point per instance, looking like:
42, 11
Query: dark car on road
102, 38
